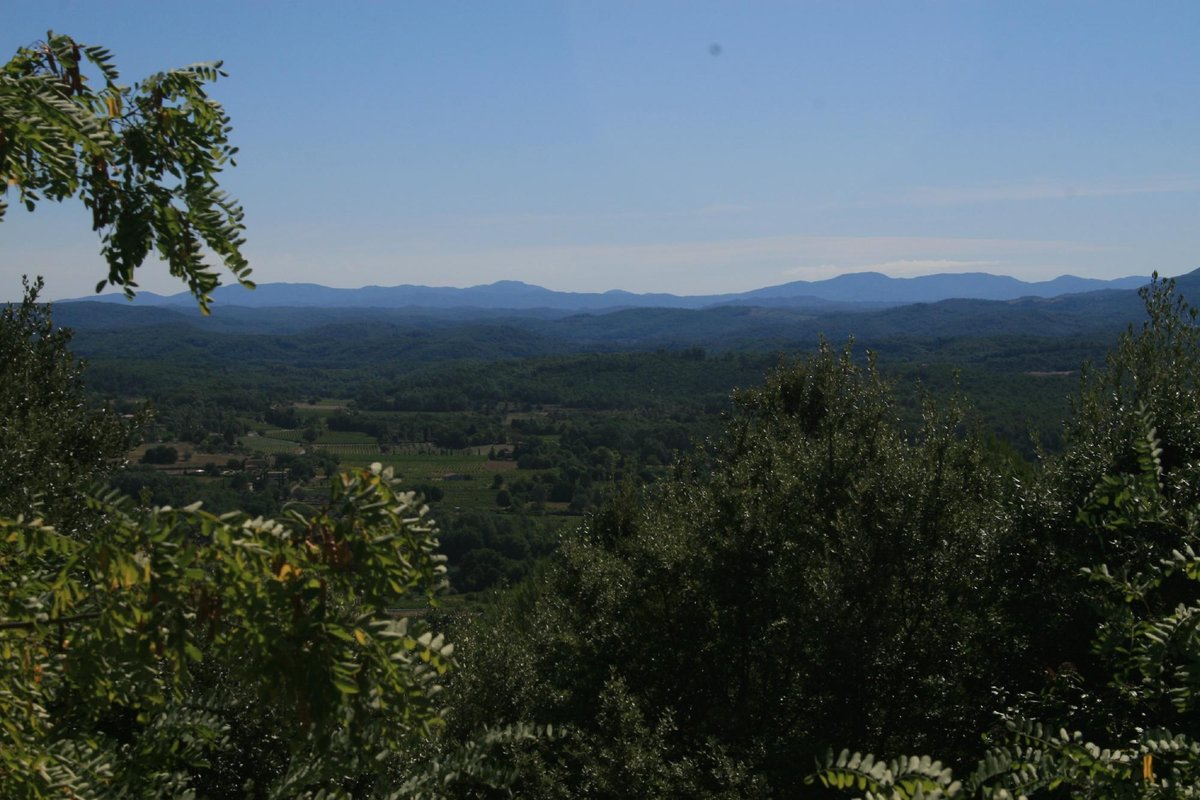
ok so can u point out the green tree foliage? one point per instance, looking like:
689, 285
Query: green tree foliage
1122, 721
128, 656
161, 454
702, 624
486, 550
159, 651
232, 493
144, 159
51, 442
820, 574
1149, 380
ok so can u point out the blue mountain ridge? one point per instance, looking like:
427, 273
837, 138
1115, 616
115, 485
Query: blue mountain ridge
865, 288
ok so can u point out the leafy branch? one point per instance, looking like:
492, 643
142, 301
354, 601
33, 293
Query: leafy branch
143, 159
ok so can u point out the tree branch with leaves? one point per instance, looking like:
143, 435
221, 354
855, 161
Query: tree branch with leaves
144, 159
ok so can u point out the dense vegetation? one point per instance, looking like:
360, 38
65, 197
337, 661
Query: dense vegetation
843, 561
702, 599
825, 576
153, 651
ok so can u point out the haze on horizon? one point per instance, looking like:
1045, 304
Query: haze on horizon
691, 148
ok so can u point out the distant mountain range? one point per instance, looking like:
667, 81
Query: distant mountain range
270, 333
855, 291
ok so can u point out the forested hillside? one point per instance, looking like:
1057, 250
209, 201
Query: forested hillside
860, 552
827, 576
652, 553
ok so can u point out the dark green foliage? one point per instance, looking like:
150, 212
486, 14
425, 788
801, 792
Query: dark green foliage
232, 493
839, 567
1016, 384
51, 442
301, 468
1122, 495
714, 605
486, 551
160, 454
431, 493
282, 417
1149, 380
823, 575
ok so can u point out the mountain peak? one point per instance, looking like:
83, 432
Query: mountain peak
511, 284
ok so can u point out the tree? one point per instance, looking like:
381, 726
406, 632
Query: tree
1119, 519
144, 159
51, 442
161, 454
150, 652
698, 628
165, 625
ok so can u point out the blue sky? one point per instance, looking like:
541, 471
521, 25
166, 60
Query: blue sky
691, 147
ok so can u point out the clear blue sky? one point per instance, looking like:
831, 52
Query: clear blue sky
691, 147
